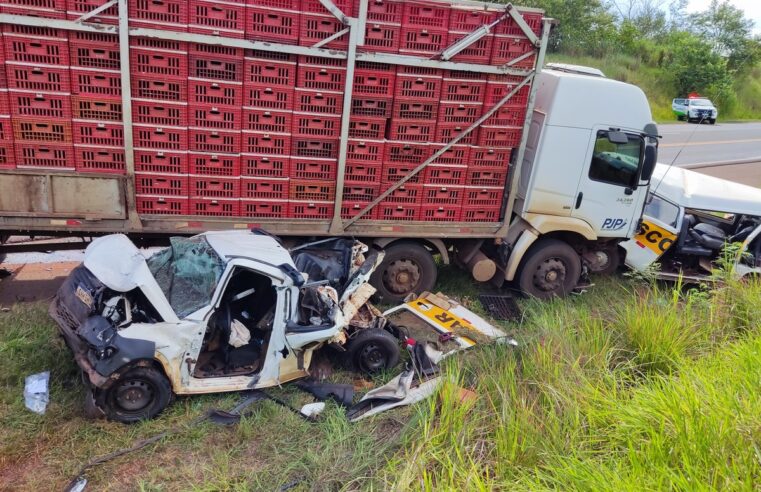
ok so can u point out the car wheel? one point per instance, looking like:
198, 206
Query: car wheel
407, 267
712, 121
680, 118
372, 350
139, 394
550, 269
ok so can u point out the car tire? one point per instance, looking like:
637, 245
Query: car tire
551, 268
407, 267
139, 394
712, 121
372, 350
680, 118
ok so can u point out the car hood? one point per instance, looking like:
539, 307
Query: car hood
120, 266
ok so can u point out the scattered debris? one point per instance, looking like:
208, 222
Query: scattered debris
401, 391
36, 394
313, 410
5, 273
343, 394
502, 307
78, 486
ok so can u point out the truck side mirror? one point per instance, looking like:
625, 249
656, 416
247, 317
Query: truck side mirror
648, 164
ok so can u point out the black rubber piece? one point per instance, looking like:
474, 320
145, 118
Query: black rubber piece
148, 381
405, 251
372, 350
542, 252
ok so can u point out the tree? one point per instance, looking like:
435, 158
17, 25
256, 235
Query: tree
696, 67
729, 33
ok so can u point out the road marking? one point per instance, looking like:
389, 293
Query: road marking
715, 142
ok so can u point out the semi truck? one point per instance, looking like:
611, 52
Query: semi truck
423, 128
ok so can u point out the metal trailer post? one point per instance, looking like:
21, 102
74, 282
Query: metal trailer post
129, 153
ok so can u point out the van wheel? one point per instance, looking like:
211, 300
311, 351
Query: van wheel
550, 269
407, 267
372, 350
139, 394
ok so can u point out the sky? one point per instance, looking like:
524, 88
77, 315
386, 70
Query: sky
752, 9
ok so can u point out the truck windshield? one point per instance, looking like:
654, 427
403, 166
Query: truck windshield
188, 272
616, 163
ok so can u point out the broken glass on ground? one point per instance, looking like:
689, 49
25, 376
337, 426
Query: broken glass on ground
36, 394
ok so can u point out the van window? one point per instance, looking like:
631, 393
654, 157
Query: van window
616, 164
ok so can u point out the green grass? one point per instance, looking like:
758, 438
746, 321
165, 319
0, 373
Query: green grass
627, 387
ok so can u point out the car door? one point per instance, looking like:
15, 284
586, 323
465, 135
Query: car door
608, 196
657, 234
679, 107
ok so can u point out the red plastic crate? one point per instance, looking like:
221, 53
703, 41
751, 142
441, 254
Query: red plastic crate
156, 88
44, 155
461, 113
94, 55
214, 207
33, 12
269, 73
57, 5
154, 44
470, 91
86, 108
159, 161
216, 18
264, 120
367, 128
265, 24
398, 211
214, 164
270, 209
7, 155
39, 105
446, 132
489, 157
483, 196
327, 149
158, 64
416, 41
312, 190
499, 86
227, 94
374, 82
478, 52
310, 210
266, 143
321, 78
314, 6
162, 205
411, 110
417, 88
315, 28
6, 130
363, 173
440, 213
445, 175
214, 187
508, 48
168, 15
96, 83
361, 192
34, 31
406, 153
214, 117
469, 19
443, 195
215, 51
82, 38
381, 37
413, 130
487, 177
277, 98
159, 113
307, 125
270, 56
265, 166
426, 15
351, 208
371, 107
407, 193
99, 160
456, 155
313, 168
36, 50
265, 188
215, 141
507, 116
389, 11
100, 133
480, 214
365, 151
495, 136
509, 27
164, 138
216, 69
161, 184
309, 101
77, 8
395, 172
38, 130
37, 78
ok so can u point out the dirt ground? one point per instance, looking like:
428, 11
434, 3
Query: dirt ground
32, 281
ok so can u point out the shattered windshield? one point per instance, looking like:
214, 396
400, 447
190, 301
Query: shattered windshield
188, 272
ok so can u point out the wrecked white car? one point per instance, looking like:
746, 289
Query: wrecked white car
221, 311
688, 220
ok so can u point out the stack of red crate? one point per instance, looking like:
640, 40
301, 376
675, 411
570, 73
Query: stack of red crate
316, 23
383, 26
7, 156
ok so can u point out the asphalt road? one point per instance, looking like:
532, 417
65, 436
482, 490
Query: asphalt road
715, 149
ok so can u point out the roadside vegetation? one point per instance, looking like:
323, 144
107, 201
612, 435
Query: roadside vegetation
669, 53
633, 385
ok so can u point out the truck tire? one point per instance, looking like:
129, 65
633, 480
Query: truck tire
407, 267
550, 269
609, 259
139, 394
372, 350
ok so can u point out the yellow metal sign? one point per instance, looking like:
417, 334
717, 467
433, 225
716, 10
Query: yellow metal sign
442, 320
654, 237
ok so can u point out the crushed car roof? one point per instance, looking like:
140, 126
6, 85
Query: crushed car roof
702, 192
231, 244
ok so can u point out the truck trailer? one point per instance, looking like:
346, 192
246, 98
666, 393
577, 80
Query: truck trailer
420, 127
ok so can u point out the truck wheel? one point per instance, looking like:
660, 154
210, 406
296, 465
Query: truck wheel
606, 260
407, 267
372, 350
139, 394
550, 269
